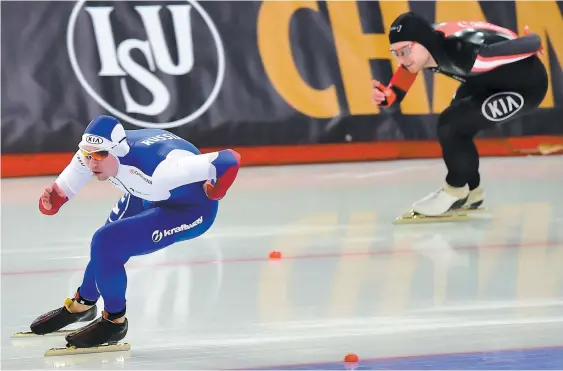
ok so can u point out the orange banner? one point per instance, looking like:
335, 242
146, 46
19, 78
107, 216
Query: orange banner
54, 163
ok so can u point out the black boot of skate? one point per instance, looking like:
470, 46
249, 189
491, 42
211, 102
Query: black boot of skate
101, 331
59, 318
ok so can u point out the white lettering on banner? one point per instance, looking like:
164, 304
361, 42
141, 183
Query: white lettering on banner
159, 235
158, 138
116, 60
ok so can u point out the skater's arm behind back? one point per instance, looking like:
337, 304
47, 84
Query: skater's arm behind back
181, 167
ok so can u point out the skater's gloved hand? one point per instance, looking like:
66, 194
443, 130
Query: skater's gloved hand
382, 95
226, 165
52, 199
396, 90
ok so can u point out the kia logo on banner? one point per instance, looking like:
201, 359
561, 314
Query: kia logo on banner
143, 74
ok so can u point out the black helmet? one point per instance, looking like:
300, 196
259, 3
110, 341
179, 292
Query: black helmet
412, 27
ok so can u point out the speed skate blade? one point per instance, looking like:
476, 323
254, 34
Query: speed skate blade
28, 334
451, 216
469, 211
66, 351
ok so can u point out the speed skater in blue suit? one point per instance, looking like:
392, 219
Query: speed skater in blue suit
171, 193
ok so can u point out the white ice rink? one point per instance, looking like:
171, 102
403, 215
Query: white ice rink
348, 281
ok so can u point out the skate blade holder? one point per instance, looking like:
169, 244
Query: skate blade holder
412, 217
66, 351
29, 334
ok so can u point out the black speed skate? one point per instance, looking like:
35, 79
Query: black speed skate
101, 331
59, 318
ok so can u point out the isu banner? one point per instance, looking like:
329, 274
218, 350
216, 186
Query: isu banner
238, 74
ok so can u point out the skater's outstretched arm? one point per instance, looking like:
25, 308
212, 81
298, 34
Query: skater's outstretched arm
218, 169
397, 89
75, 175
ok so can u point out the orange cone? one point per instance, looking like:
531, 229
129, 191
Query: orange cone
351, 357
275, 255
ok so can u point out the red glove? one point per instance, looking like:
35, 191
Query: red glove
227, 165
52, 199
383, 95
398, 87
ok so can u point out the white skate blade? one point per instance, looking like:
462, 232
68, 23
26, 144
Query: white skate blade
66, 351
477, 210
29, 334
450, 216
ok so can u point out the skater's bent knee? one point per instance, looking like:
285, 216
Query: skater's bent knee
105, 247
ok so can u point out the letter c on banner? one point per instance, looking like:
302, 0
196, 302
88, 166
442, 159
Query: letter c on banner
274, 44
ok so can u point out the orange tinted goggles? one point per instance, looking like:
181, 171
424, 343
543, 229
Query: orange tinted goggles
96, 155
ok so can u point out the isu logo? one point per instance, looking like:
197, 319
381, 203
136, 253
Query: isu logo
500, 106
143, 68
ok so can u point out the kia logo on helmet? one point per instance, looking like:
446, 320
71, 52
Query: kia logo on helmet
93, 139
